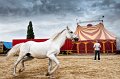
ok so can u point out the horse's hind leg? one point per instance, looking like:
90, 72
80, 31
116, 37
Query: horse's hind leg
22, 66
16, 63
26, 58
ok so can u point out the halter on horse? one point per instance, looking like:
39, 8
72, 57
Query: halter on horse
48, 49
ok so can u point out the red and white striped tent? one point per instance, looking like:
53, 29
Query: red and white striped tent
90, 33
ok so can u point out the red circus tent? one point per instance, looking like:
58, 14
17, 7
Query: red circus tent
90, 33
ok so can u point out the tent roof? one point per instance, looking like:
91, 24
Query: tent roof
8, 44
96, 32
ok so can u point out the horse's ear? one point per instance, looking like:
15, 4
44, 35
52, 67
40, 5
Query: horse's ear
67, 28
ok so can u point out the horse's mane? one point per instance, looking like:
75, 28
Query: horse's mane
56, 35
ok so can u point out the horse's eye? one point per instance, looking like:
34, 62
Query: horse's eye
71, 32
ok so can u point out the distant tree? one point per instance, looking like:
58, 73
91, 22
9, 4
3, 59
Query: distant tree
30, 33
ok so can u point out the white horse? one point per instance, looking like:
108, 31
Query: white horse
48, 49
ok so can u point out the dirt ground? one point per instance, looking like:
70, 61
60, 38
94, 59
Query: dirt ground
71, 67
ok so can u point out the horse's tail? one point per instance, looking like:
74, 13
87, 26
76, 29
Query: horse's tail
14, 51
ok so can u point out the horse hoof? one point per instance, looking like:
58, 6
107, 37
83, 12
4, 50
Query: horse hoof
47, 74
21, 70
15, 75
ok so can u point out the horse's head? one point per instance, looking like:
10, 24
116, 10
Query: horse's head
71, 35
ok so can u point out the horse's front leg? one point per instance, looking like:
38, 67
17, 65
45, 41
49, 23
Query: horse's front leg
49, 67
53, 58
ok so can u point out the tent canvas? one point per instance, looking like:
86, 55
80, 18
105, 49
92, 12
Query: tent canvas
89, 34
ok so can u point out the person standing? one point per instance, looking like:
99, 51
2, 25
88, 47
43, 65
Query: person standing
97, 47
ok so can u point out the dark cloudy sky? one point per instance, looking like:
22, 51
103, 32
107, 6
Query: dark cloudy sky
50, 16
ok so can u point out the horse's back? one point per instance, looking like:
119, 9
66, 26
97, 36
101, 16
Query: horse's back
38, 49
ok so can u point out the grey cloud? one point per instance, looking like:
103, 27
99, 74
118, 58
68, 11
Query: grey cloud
59, 7
104, 4
31, 7
111, 5
109, 8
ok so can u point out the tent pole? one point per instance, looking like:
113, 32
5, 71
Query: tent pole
112, 45
77, 43
85, 47
103, 42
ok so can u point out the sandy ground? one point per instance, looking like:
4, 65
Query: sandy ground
71, 67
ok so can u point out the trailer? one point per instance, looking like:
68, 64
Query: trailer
5, 47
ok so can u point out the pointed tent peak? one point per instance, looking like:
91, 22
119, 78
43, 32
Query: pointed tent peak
78, 25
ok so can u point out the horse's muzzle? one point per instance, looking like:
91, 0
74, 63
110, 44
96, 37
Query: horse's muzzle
76, 39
